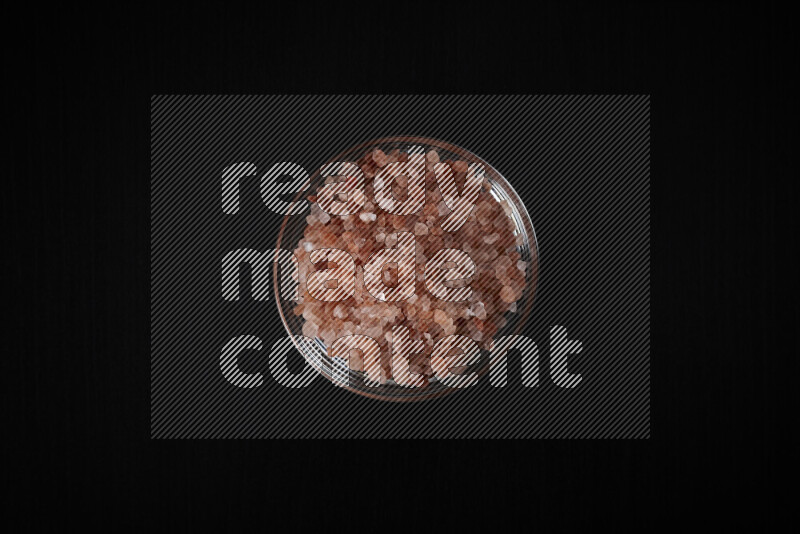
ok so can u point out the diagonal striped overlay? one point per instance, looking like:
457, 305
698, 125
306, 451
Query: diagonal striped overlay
581, 165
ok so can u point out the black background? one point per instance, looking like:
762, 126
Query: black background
77, 204
598, 293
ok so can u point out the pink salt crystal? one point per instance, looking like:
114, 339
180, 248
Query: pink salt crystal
310, 330
507, 294
503, 262
432, 156
480, 256
484, 213
491, 238
391, 240
521, 265
367, 217
440, 317
327, 335
420, 229
308, 314
401, 180
425, 302
379, 157
459, 166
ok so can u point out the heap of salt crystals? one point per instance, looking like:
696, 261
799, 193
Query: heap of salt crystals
487, 237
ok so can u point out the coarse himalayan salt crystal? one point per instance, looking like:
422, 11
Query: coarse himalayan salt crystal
420, 229
507, 294
491, 238
521, 265
367, 217
327, 335
478, 310
432, 156
310, 329
502, 275
483, 212
425, 303
503, 262
379, 157
459, 166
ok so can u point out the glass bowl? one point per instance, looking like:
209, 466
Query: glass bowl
336, 369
